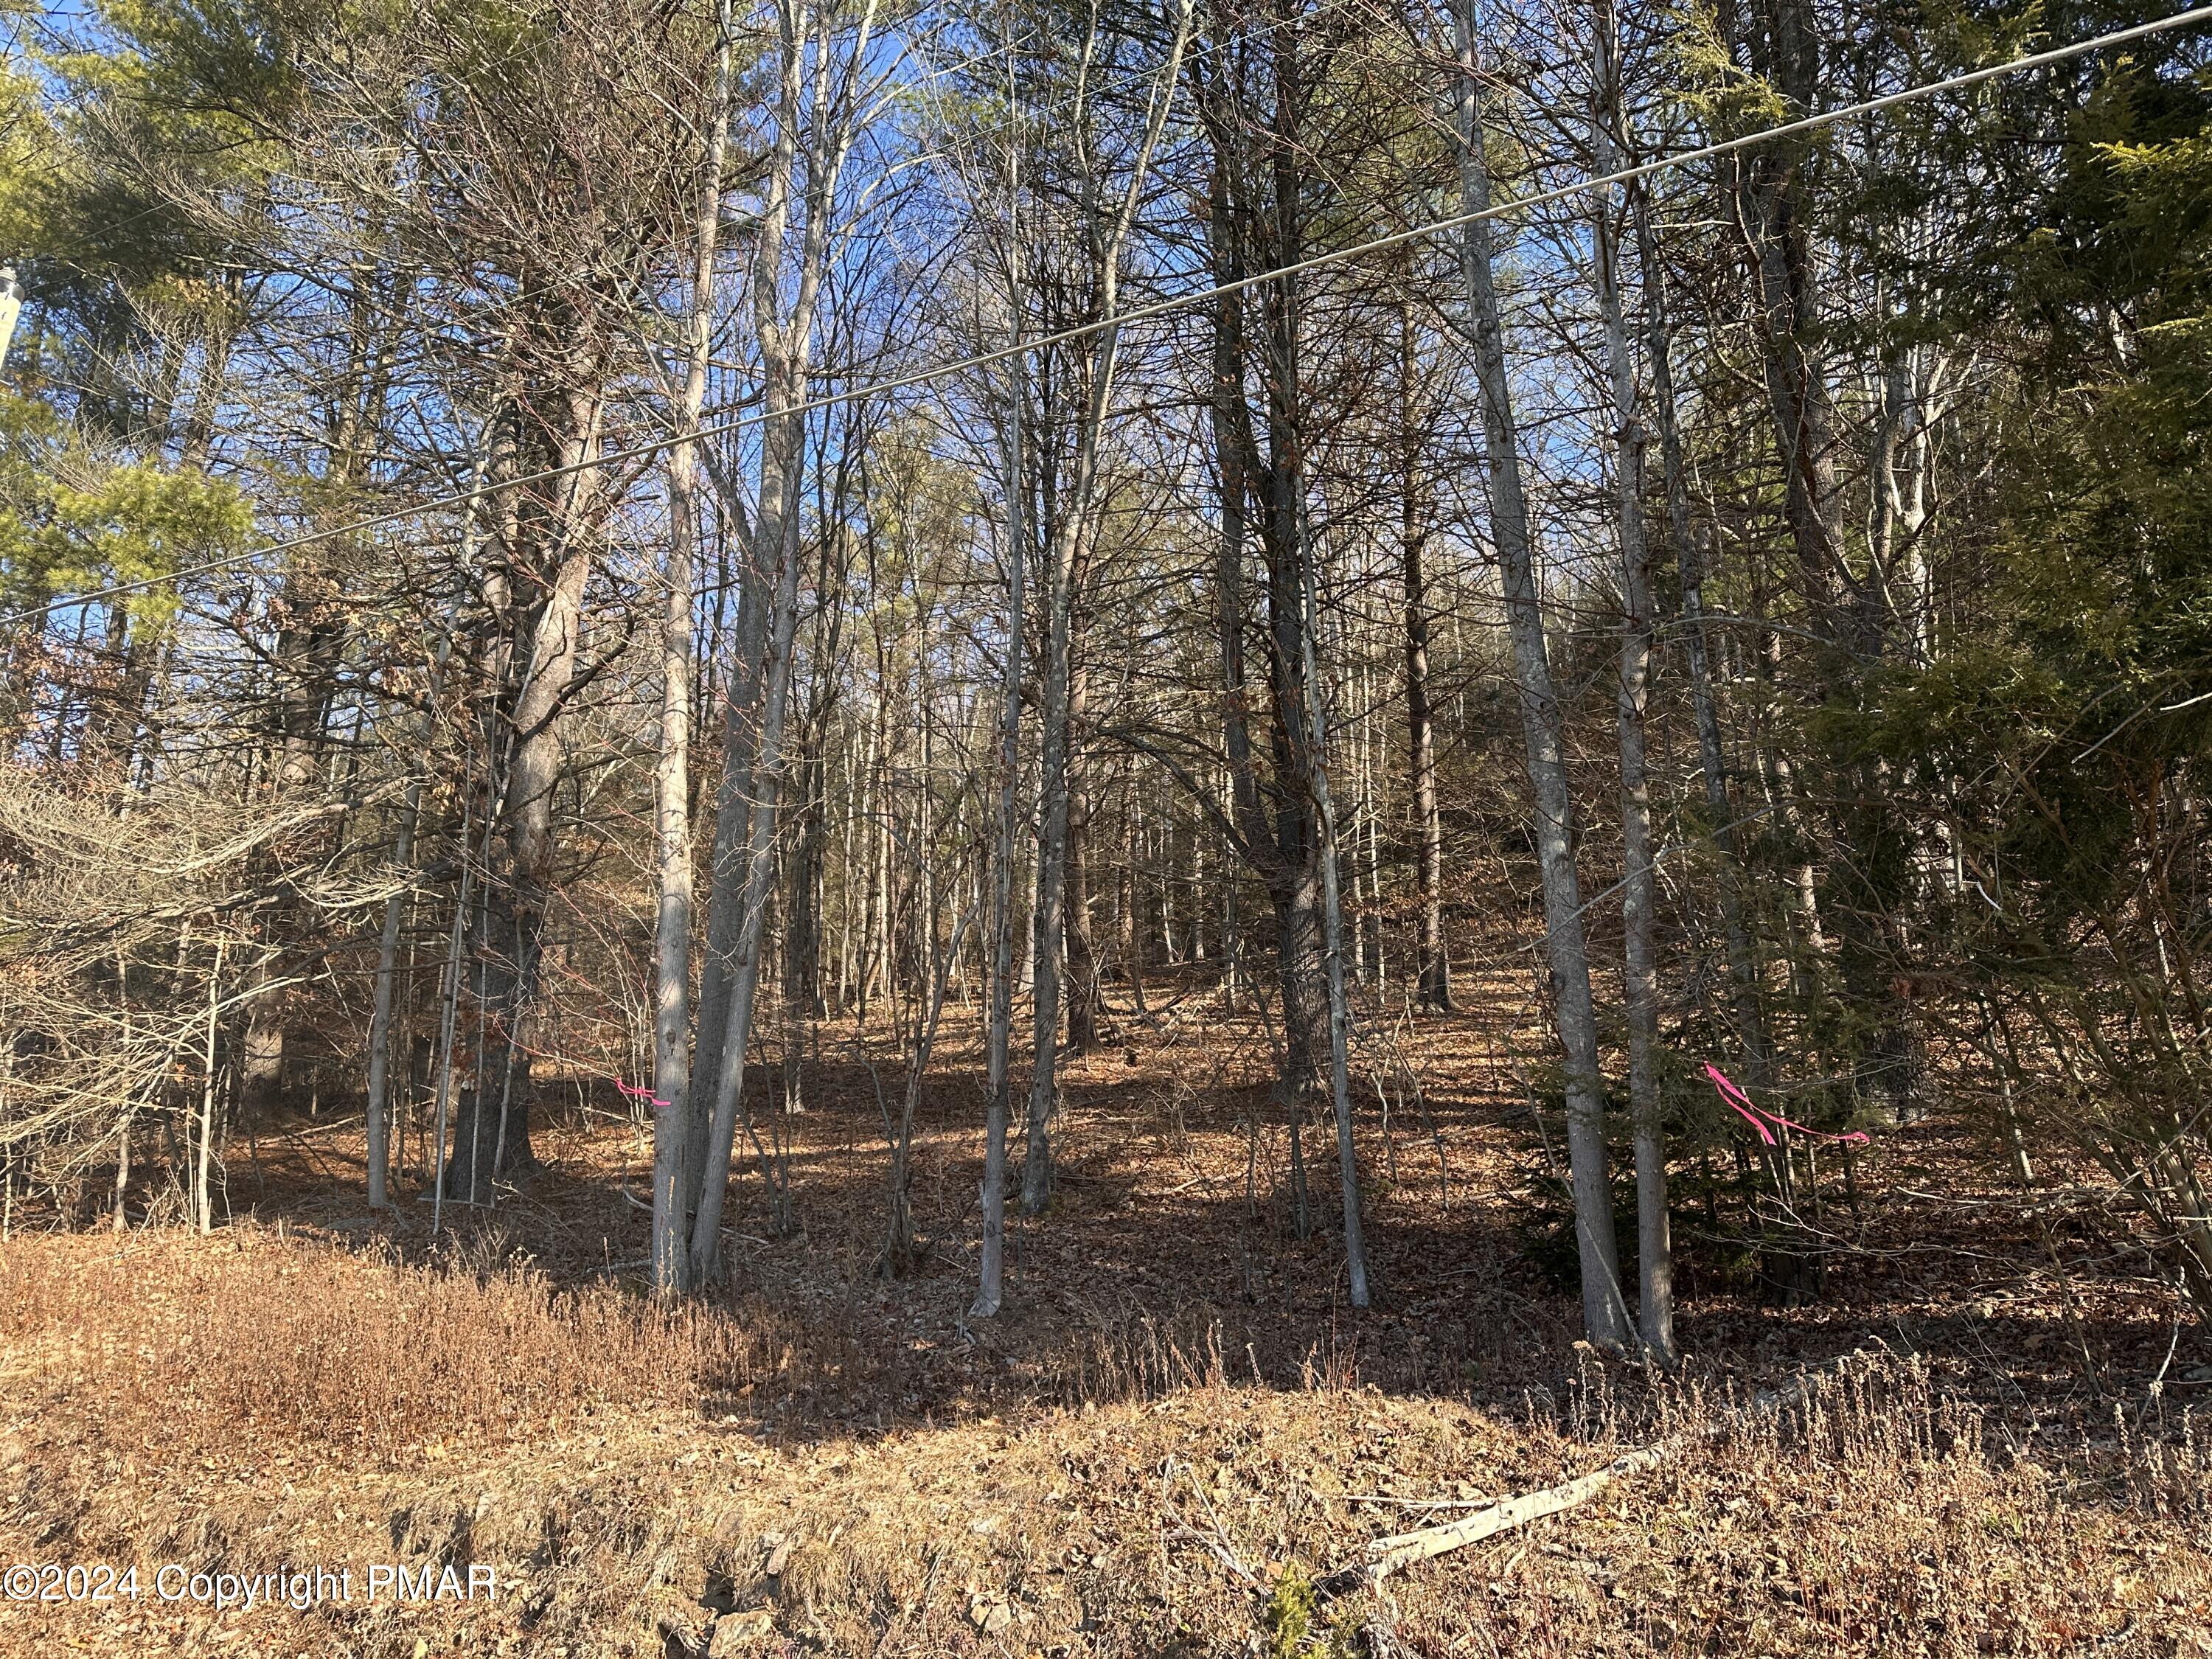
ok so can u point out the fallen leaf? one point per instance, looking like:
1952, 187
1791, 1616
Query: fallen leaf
989, 1613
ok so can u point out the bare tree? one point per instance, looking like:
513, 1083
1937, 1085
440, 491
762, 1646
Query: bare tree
1639, 884
1107, 221
821, 107
1014, 551
1433, 963
672, 1073
1605, 1310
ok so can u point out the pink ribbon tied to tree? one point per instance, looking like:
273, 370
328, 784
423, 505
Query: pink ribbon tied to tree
634, 1093
1760, 1118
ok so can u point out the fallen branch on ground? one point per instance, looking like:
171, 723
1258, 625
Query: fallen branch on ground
1388, 1555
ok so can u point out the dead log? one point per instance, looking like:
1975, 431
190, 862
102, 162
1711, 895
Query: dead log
1385, 1556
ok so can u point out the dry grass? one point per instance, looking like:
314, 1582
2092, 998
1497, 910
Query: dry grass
227, 1346
1176, 1419
1878, 1516
580, 1444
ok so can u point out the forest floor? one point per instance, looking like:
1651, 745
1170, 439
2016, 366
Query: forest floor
1176, 1424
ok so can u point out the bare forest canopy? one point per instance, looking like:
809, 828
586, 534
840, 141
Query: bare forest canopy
591, 555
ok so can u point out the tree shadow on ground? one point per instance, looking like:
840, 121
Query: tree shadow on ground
1169, 1256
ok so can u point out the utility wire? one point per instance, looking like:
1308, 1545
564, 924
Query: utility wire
1169, 307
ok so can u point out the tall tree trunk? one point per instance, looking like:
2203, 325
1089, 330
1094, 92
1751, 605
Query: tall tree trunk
1655, 1254
724, 874
1712, 764
1605, 1309
672, 1075
1083, 990
492, 1133
1280, 475
380, 1024
1048, 916
1774, 197
449, 1001
990, 1290
1229, 428
379, 1125
1433, 969
1107, 238
203, 1203
754, 794
1275, 833
1340, 1007
749, 791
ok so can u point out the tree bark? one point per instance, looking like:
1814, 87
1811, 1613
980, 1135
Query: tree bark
749, 791
203, 1202
1743, 966
1271, 827
671, 1074
492, 1140
1107, 238
1433, 964
1654, 1255
380, 1024
1605, 1310
1083, 990
1340, 1008
991, 1287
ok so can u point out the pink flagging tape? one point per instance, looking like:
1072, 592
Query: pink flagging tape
1765, 1133
1758, 1117
659, 1104
628, 1090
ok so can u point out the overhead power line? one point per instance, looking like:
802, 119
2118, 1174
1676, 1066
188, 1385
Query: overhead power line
1169, 307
